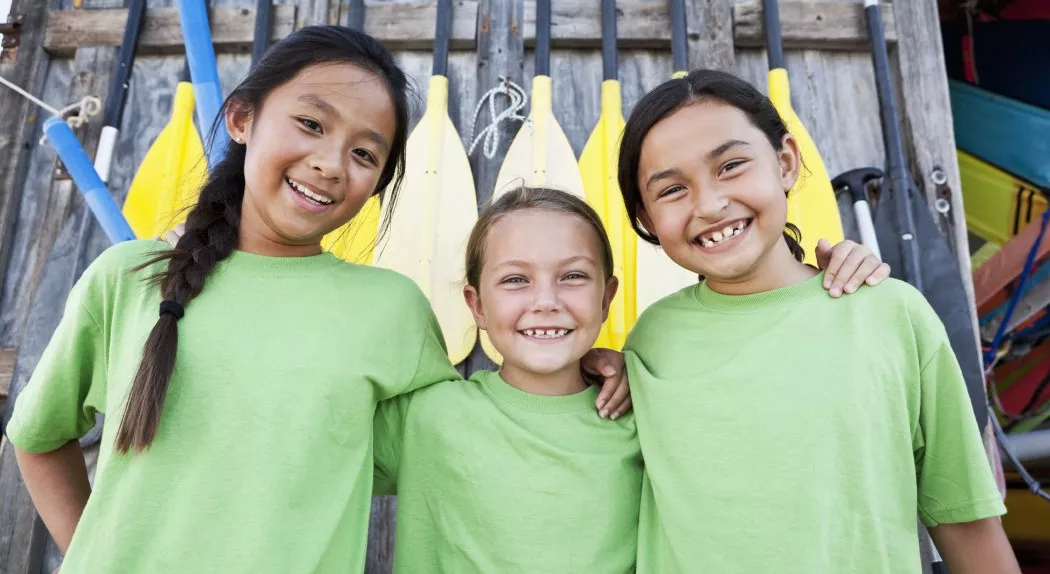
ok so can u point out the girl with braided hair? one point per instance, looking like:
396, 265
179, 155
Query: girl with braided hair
239, 432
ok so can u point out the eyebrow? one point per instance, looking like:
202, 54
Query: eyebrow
711, 155
521, 263
325, 107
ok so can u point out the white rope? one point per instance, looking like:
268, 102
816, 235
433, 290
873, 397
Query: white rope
77, 113
518, 98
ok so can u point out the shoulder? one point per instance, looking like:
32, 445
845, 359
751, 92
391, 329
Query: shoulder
385, 284
123, 258
663, 315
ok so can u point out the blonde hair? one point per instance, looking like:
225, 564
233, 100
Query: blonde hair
532, 198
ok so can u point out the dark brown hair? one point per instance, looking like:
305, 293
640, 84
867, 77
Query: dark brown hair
671, 96
539, 199
213, 223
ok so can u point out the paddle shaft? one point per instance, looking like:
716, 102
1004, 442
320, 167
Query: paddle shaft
263, 25
609, 40
900, 186
118, 89
543, 37
679, 47
200, 54
356, 17
95, 192
441, 34
774, 44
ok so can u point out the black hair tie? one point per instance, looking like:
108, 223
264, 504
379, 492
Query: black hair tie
173, 308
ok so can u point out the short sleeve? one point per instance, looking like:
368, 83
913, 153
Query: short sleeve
68, 386
388, 436
954, 476
432, 364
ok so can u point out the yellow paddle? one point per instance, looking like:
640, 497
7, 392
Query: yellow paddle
355, 241
598, 168
172, 172
811, 202
431, 220
657, 275
540, 154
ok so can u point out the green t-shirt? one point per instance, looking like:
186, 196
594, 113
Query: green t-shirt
789, 432
492, 479
263, 459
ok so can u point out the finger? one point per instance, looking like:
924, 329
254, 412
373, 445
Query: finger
622, 392
624, 408
172, 238
823, 253
838, 255
603, 362
868, 266
847, 269
879, 275
609, 386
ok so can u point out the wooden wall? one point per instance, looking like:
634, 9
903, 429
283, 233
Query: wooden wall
47, 237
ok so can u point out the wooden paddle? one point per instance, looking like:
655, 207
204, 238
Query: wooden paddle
355, 241
598, 168
811, 202
431, 220
170, 176
540, 155
657, 275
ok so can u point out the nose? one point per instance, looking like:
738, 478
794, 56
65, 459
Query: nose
329, 161
546, 298
709, 203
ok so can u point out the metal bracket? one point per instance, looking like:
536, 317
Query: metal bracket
11, 28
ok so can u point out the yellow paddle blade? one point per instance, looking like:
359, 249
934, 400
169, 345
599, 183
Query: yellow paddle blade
540, 154
811, 202
355, 241
432, 220
170, 176
598, 168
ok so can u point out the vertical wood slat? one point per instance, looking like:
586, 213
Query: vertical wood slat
26, 66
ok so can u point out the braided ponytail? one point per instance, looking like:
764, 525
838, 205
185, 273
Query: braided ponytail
212, 226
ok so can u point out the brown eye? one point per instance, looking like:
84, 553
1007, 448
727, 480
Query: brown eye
310, 124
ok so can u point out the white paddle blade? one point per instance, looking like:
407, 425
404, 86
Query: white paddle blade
430, 224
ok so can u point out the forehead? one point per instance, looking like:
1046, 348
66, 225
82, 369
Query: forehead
540, 236
705, 124
352, 90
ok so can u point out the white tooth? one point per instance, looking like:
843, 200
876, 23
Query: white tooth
529, 332
739, 225
728, 231
550, 332
716, 236
705, 242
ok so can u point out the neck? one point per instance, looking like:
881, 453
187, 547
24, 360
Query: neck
778, 268
254, 236
567, 381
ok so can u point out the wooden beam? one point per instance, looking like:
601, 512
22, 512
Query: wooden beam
25, 66
409, 25
819, 25
232, 29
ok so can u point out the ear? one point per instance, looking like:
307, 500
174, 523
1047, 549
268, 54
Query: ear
611, 286
790, 162
474, 303
239, 122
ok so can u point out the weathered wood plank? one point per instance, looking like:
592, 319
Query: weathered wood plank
22, 536
710, 34
501, 54
821, 25
26, 66
409, 26
7, 366
232, 28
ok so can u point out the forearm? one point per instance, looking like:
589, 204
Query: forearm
979, 547
58, 484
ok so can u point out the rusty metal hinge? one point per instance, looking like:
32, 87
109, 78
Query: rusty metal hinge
11, 28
